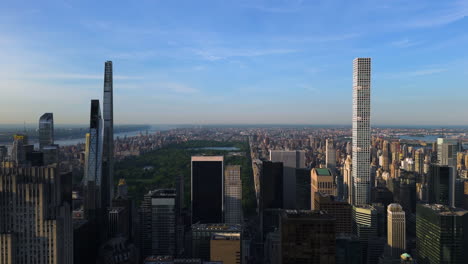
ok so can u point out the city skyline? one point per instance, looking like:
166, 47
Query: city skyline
247, 62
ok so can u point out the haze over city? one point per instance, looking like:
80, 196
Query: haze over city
234, 62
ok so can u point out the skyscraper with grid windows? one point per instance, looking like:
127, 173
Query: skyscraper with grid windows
361, 129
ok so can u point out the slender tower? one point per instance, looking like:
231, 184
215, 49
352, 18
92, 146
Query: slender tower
361, 129
108, 146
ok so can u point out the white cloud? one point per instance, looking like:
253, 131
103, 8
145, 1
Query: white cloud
405, 43
225, 53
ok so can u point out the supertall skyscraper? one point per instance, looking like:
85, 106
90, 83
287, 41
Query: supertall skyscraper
46, 130
108, 146
93, 154
361, 129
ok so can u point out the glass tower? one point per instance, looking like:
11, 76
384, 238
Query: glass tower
46, 130
108, 142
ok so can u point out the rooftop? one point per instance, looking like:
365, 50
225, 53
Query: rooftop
446, 210
323, 172
225, 236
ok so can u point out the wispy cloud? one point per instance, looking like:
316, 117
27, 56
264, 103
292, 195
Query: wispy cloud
412, 73
457, 11
74, 76
427, 72
291, 6
309, 88
224, 53
173, 87
405, 43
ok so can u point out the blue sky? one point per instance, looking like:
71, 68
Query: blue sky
242, 61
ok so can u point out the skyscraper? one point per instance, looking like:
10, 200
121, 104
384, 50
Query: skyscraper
366, 226
92, 177
46, 130
447, 150
348, 194
163, 222
441, 185
207, 194
108, 139
330, 155
340, 210
271, 185
35, 216
441, 234
291, 160
361, 129
321, 181
396, 229
232, 195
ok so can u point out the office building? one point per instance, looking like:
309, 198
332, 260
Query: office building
447, 150
441, 185
18, 151
271, 185
201, 234
330, 155
441, 234
348, 194
365, 226
419, 162
158, 223
226, 248
92, 176
361, 129
118, 222
340, 210
307, 237
322, 181
291, 160
396, 230
303, 189
207, 189
107, 188
46, 130
232, 195
35, 216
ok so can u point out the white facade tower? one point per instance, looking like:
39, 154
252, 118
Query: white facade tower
361, 129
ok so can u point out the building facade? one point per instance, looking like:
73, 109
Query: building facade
46, 130
441, 234
108, 138
207, 189
35, 216
361, 129
396, 230
226, 248
232, 195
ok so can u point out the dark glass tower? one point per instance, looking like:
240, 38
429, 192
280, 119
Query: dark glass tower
271, 185
207, 189
441, 234
93, 152
440, 184
108, 146
46, 130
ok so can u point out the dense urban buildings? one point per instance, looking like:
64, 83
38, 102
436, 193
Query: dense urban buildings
361, 129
